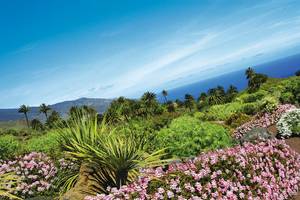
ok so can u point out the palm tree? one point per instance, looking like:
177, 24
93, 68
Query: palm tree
149, 101
232, 90
148, 98
249, 73
231, 93
36, 124
44, 109
189, 101
202, 96
25, 109
165, 94
214, 97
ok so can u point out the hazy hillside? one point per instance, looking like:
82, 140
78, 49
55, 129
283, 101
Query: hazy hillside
63, 107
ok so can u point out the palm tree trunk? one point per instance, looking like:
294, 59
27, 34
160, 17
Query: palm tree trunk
27, 121
46, 115
166, 99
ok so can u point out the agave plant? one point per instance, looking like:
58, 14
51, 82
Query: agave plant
8, 182
115, 158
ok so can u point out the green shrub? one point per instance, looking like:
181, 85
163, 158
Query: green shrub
199, 115
250, 108
287, 97
222, 112
289, 123
237, 119
9, 146
254, 97
268, 104
187, 136
47, 144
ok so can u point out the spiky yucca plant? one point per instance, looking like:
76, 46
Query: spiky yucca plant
115, 158
8, 181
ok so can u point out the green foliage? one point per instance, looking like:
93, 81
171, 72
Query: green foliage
189, 102
9, 146
256, 81
222, 112
237, 119
187, 136
47, 143
216, 96
116, 159
37, 125
268, 104
25, 109
287, 97
44, 109
291, 92
231, 93
53, 119
249, 98
8, 179
251, 108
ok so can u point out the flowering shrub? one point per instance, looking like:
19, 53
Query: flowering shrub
263, 120
267, 170
289, 123
37, 172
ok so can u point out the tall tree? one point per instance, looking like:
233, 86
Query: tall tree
44, 109
149, 101
36, 125
249, 73
231, 93
165, 94
189, 101
202, 96
53, 119
25, 109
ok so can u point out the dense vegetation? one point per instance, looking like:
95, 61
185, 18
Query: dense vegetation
135, 134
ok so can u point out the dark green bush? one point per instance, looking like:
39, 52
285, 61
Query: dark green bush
254, 97
250, 109
287, 97
187, 136
237, 119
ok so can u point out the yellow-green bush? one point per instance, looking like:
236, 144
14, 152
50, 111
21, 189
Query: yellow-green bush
186, 136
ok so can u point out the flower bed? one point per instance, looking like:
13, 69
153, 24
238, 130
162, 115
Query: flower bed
37, 172
289, 123
263, 120
267, 170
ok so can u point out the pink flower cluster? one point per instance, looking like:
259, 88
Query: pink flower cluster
266, 170
37, 172
263, 120
67, 164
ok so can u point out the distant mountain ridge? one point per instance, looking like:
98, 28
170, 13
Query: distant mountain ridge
100, 104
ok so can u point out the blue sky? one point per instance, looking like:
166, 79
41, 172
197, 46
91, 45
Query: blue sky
51, 51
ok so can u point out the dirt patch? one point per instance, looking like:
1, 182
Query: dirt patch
273, 130
294, 143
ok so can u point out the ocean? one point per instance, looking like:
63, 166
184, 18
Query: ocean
278, 69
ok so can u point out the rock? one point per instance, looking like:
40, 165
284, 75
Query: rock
256, 134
